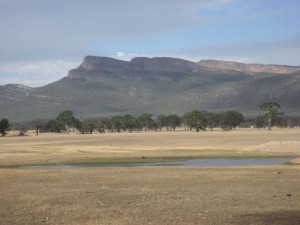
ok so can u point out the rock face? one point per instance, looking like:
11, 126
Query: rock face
164, 64
94, 67
246, 68
94, 63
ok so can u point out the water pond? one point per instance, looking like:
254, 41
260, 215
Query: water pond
182, 162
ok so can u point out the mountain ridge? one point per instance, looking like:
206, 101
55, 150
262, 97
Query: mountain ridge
106, 65
103, 86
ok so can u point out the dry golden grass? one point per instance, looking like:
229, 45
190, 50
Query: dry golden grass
257, 195
62, 148
160, 196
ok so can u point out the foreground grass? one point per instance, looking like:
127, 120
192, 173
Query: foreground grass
162, 195
257, 195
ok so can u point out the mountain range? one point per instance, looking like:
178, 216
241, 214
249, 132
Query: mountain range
103, 86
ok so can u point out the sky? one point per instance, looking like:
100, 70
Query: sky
40, 41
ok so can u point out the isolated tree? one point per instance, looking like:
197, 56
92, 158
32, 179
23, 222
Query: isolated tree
272, 111
195, 120
232, 119
4, 125
66, 119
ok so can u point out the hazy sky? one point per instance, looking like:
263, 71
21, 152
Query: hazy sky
42, 39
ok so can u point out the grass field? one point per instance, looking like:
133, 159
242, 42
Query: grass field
113, 147
261, 195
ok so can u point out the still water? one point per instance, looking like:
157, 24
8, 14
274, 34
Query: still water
183, 162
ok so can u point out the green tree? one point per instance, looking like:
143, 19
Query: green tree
173, 121
232, 119
161, 121
117, 123
260, 122
213, 119
273, 112
52, 126
195, 120
88, 126
145, 121
129, 122
104, 123
4, 125
66, 119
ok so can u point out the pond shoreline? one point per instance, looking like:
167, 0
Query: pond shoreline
181, 162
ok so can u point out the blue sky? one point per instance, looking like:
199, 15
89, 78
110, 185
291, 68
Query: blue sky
41, 40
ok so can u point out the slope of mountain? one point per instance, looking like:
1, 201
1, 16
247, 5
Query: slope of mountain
103, 86
245, 96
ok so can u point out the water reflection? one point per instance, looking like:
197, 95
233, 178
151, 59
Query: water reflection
183, 162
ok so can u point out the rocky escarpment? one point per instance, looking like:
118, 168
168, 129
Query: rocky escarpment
164, 64
94, 67
246, 68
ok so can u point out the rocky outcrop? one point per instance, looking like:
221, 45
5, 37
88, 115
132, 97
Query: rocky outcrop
163, 64
99, 63
94, 67
246, 68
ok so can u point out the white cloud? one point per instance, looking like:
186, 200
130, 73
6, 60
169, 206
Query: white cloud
35, 74
120, 54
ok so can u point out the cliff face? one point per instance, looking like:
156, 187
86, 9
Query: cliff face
96, 63
163, 64
246, 68
94, 67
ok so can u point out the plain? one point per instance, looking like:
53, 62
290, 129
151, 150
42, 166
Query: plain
150, 195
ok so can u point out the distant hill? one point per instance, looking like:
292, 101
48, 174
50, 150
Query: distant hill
103, 86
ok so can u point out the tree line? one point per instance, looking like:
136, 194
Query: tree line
194, 120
